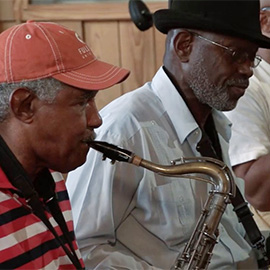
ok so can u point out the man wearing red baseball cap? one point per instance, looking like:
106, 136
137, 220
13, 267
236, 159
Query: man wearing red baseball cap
48, 82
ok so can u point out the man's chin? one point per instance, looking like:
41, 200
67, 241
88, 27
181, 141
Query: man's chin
225, 107
228, 108
70, 166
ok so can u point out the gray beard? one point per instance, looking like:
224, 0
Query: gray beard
208, 93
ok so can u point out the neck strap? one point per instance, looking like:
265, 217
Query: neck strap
44, 189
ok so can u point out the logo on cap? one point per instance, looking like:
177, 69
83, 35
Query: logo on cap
85, 52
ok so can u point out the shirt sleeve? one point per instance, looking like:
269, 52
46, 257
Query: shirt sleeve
250, 125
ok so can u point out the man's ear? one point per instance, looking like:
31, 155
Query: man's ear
265, 23
21, 104
183, 45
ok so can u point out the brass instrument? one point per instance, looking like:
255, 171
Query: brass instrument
198, 251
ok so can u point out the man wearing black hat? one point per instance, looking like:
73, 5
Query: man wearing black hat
130, 218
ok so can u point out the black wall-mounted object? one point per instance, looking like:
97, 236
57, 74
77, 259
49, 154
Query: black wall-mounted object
140, 14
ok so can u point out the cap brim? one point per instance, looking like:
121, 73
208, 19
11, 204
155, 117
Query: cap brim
97, 75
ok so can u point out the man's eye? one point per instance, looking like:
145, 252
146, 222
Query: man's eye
87, 101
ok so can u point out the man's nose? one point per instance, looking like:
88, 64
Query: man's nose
246, 68
94, 119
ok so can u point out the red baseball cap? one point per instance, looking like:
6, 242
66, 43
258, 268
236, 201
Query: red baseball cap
36, 50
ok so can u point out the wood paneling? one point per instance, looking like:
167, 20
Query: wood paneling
108, 30
7, 10
6, 25
159, 44
137, 54
103, 38
81, 11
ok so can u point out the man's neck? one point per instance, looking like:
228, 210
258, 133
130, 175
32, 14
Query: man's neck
199, 111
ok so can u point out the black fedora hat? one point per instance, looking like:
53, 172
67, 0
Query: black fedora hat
232, 17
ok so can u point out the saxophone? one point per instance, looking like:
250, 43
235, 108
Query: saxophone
198, 251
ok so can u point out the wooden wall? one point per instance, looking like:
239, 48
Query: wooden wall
107, 28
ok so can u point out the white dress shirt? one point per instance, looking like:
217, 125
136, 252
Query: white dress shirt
251, 119
127, 217
251, 128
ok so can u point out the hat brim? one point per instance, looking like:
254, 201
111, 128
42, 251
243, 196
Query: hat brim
97, 75
166, 20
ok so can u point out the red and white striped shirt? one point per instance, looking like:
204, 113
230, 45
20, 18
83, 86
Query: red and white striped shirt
25, 241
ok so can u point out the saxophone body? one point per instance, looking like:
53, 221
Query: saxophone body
198, 250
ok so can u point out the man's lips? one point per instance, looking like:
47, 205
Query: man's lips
237, 91
241, 86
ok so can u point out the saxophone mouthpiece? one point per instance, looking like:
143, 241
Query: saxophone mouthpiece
112, 152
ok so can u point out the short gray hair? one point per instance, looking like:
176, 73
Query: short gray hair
45, 89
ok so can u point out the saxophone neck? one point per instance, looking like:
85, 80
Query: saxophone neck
208, 166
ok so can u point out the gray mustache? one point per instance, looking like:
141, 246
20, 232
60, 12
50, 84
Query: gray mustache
243, 83
90, 139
